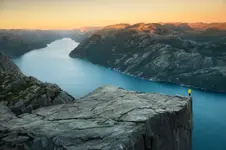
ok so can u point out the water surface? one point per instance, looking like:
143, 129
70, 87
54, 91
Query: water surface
79, 77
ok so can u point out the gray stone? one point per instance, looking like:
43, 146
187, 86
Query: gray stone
27, 93
109, 118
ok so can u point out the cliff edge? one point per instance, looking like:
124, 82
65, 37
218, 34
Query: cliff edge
110, 118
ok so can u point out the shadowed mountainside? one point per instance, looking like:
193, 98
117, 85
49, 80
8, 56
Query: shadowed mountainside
18, 42
189, 54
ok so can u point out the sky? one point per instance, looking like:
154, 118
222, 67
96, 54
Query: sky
69, 14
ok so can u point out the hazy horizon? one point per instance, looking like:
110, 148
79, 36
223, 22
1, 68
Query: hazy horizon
87, 27
73, 14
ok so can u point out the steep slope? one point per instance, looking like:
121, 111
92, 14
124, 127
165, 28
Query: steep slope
190, 54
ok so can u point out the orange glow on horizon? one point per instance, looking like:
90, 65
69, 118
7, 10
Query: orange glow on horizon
70, 14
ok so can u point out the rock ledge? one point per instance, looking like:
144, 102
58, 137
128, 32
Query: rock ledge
109, 118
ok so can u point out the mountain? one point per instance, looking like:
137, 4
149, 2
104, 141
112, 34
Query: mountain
41, 116
182, 53
18, 42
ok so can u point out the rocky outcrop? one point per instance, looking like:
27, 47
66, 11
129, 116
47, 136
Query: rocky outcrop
110, 118
23, 94
188, 54
6, 65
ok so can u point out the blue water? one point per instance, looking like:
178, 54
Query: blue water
79, 77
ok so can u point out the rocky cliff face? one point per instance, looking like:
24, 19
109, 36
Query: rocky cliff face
108, 119
189, 54
6, 65
23, 94
40, 116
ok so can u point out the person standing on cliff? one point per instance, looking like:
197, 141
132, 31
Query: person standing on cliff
189, 92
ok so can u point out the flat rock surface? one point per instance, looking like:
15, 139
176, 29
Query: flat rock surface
110, 118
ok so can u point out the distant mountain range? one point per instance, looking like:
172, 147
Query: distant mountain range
17, 42
170, 26
192, 54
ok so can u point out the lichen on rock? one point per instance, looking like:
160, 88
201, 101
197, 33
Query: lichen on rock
23, 94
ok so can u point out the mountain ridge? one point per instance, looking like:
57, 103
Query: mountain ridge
176, 54
16, 42
195, 25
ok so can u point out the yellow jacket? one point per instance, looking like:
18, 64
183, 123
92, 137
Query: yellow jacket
189, 91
